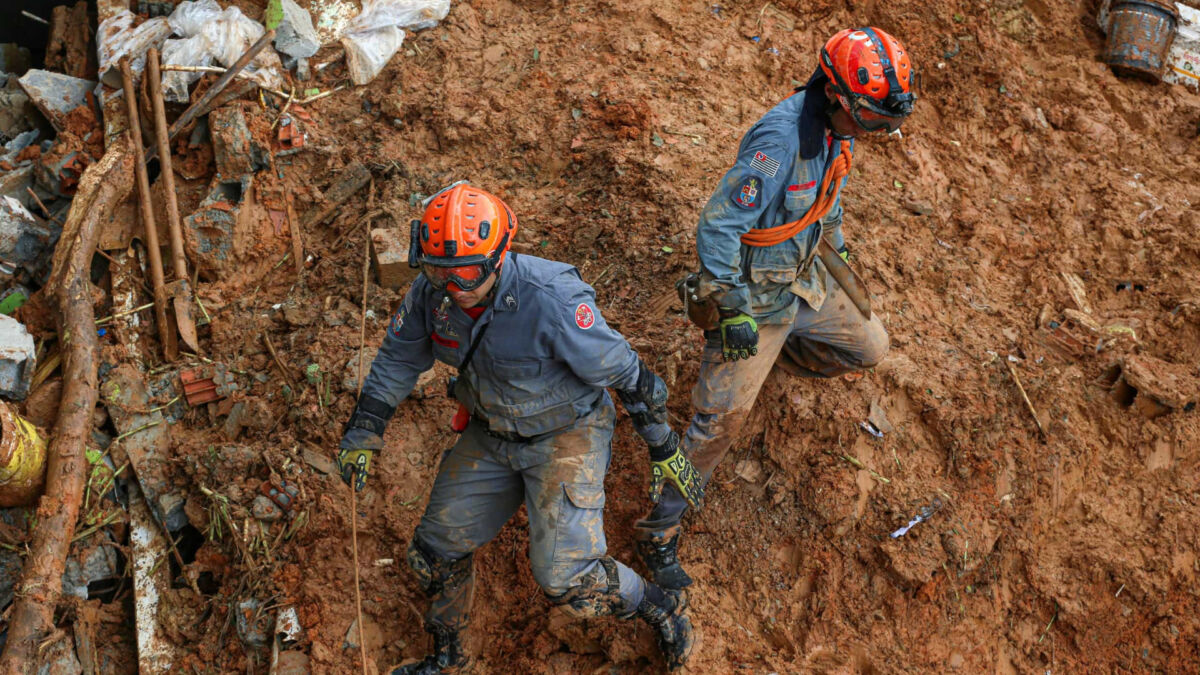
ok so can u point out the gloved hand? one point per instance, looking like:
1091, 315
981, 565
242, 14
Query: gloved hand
739, 335
844, 253
668, 463
354, 465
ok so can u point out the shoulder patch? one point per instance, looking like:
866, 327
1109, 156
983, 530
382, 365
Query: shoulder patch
585, 318
398, 319
764, 163
747, 191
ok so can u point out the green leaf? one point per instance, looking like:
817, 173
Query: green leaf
536, 54
667, 249
273, 15
897, 183
312, 92
959, 18
93, 456
545, 243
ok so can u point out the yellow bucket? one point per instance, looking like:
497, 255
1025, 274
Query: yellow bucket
22, 459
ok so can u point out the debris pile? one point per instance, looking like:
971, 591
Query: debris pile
182, 322
182, 119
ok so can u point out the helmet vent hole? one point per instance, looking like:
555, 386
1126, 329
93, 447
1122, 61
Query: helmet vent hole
485, 228
863, 76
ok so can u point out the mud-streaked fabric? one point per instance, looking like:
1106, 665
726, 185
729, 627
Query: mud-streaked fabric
543, 362
769, 185
820, 343
481, 483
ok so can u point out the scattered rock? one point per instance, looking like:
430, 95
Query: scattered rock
235, 149
18, 359
1153, 386
292, 663
879, 418
389, 248
252, 624
295, 35
318, 461
265, 510
55, 94
919, 206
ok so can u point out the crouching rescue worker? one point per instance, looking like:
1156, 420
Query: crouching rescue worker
769, 298
534, 358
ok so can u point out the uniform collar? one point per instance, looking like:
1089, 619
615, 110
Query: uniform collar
507, 298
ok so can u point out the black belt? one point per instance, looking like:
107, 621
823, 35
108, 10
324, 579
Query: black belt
507, 436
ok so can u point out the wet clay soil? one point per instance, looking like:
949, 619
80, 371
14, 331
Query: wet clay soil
1028, 167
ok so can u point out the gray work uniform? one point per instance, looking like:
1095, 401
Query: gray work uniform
541, 424
805, 319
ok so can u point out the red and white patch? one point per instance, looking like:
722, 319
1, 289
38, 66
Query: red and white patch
585, 318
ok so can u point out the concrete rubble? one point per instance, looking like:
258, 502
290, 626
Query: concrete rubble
147, 442
295, 35
55, 94
212, 231
235, 149
389, 251
18, 359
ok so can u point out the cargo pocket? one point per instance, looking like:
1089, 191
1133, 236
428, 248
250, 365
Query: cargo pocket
579, 531
522, 378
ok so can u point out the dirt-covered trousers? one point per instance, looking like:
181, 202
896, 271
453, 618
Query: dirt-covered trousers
482, 481
818, 343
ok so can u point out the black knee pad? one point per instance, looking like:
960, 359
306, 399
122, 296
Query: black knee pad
597, 594
434, 573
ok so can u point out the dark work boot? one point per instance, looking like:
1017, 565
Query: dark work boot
659, 552
448, 655
666, 612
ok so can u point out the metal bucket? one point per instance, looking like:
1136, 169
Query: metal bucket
1139, 36
22, 459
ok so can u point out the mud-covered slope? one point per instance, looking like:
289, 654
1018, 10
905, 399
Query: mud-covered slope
1027, 165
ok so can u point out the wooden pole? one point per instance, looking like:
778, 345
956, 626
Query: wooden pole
182, 289
165, 335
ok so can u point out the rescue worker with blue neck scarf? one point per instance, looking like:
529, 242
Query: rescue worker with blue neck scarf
535, 358
775, 302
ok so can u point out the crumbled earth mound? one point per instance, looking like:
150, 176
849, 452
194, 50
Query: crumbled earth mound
1036, 221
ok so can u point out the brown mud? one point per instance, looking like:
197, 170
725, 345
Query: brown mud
1038, 208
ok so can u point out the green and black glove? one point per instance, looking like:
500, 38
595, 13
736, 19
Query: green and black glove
354, 465
668, 463
739, 335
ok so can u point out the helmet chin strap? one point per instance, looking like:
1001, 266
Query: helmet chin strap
832, 105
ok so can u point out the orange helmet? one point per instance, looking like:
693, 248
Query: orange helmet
463, 237
871, 75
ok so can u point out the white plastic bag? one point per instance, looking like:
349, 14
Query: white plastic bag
374, 36
231, 34
189, 17
117, 37
192, 51
368, 52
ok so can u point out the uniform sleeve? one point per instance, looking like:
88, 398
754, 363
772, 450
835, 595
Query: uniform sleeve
737, 204
598, 354
406, 352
